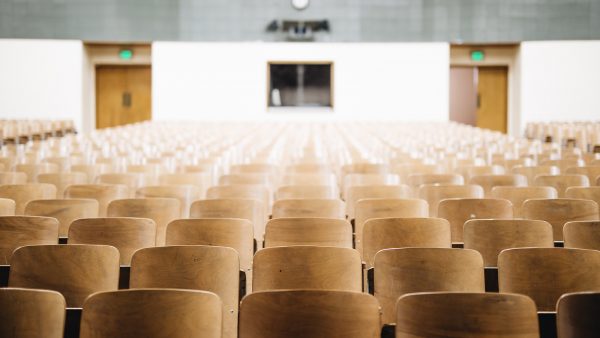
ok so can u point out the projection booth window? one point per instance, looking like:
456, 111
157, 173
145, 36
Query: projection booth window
305, 84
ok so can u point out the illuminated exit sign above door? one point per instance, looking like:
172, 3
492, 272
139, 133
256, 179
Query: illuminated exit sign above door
477, 55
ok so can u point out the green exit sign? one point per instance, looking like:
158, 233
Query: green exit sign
477, 55
125, 54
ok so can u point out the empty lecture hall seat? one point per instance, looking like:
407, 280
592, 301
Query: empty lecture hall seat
24, 193
560, 211
467, 315
358, 193
7, 207
592, 172
200, 181
324, 208
103, 193
33, 170
545, 274
459, 210
409, 270
417, 180
488, 182
255, 168
152, 313
127, 234
132, 180
356, 180
62, 180
433, 194
309, 313
18, 231
490, 236
64, 210
532, 172
470, 171
307, 192
562, 182
582, 234
247, 179
185, 194
294, 179
209, 268
161, 210
255, 192
12, 177
92, 171
76, 271
308, 231
564, 164
577, 315
518, 195
31, 313
307, 267
586, 193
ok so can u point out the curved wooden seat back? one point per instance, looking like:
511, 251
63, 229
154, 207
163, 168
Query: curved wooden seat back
161, 210
466, 315
31, 313
33, 170
308, 231
582, 235
584, 193
64, 210
459, 210
410, 270
254, 192
260, 179
433, 194
76, 271
309, 313
355, 180
388, 233
127, 234
518, 195
544, 274
373, 191
7, 207
417, 180
488, 182
24, 193
132, 180
295, 179
490, 236
256, 168
185, 194
307, 267
252, 210
577, 315
103, 193
152, 313
592, 172
307, 191
12, 177
323, 208
532, 172
563, 164
469, 171
18, 231
199, 180
92, 171
62, 180
209, 268
560, 211
308, 168
562, 182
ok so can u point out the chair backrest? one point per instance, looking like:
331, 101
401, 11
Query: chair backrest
308, 231
91, 170
410, 270
33, 170
24, 193
545, 274
64, 210
103, 193
256, 192
518, 195
161, 210
62, 180
488, 182
466, 315
307, 191
324, 208
200, 180
577, 315
210, 268
307, 267
532, 172
433, 194
459, 210
563, 164
18, 231
562, 182
560, 211
309, 313
31, 313
387, 233
353, 180
12, 177
7, 207
152, 313
491, 236
76, 271
585, 193
131, 180
185, 194
582, 234
417, 180
469, 171
127, 234
309, 179
374, 191
592, 172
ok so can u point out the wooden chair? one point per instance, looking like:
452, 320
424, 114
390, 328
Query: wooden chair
92, 171
584, 193
563, 164
24, 193
545, 274
466, 315
308, 231
62, 180
373, 191
490, 236
385, 208
132, 180
7, 207
185, 194
577, 315
247, 179
304, 179
307, 191
307, 267
103, 193
355, 180
308, 168
488, 182
532, 172
64, 210
209, 268
410, 270
417, 180
12, 177
433, 194
560, 211
255, 192
309, 313
256, 168
387, 233
459, 210
127, 234
18, 231
562, 182
160, 210
200, 180
33, 170
152, 313
404, 170
592, 172
518, 195
309, 208
31, 313
582, 234
76, 271
469, 171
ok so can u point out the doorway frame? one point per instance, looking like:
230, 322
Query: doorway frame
504, 55
106, 54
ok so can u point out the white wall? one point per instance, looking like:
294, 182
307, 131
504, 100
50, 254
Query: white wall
41, 79
405, 81
560, 80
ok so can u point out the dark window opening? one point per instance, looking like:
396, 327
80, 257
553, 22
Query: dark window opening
300, 85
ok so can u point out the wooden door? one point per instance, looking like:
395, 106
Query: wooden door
492, 102
123, 95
